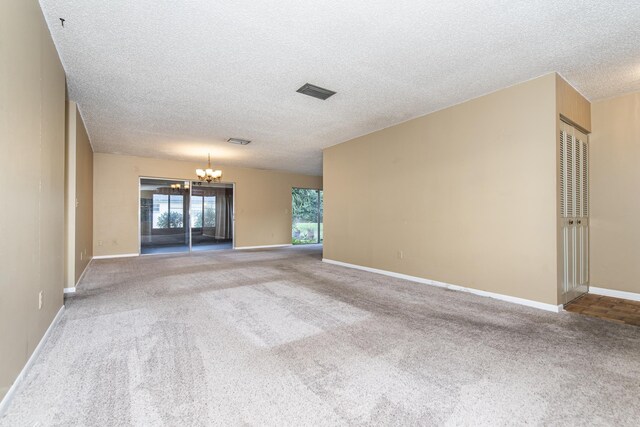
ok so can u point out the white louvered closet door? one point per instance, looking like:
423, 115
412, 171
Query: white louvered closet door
574, 211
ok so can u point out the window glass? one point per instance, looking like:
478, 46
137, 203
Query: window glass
160, 211
306, 215
196, 211
176, 211
209, 211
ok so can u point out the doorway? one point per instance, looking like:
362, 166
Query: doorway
179, 216
163, 210
574, 212
307, 216
211, 216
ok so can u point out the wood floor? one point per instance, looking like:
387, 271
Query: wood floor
607, 308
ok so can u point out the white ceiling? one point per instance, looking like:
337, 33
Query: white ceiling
175, 79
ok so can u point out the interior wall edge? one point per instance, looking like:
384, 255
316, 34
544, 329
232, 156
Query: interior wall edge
86, 267
83, 218
70, 193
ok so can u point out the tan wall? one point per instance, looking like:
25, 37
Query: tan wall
70, 195
32, 85
615, 200
468, 194
78, 197
262, 200
84, 195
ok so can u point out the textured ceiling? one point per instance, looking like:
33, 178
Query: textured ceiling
175, 79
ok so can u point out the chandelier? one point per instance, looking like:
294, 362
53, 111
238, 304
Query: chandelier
209, 174
174, 189
180, 188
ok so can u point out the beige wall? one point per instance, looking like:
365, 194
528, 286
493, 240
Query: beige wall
468, 194
32, 86
84, 196
262, 200
78, 196
615, 200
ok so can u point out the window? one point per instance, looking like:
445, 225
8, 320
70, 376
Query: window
306, 215
196, 211
203, 209
209, 211
167, 211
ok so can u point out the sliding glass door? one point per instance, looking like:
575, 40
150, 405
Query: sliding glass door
211, 216
183, 216
163, 213
306, 210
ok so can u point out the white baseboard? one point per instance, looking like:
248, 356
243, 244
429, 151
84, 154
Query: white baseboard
6, 401
69, 290
115, 256
613, 293
240, 248
529, 303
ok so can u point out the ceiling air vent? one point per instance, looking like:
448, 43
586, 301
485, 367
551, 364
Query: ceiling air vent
315, 91
238, 141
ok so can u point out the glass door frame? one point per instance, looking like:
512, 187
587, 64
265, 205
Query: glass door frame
187, 220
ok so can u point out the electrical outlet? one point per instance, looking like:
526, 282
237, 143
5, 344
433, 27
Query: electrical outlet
81, 255
40, 299
400, 255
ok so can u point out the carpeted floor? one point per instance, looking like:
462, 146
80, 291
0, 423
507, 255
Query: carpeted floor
276, 337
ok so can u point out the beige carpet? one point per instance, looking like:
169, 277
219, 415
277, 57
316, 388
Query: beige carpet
276, 337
